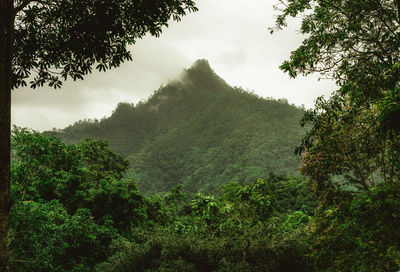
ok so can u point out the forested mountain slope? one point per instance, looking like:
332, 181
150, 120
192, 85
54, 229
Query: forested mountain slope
199, 131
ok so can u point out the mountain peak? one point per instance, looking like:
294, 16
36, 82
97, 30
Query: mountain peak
194, 130
201, 64
201, 74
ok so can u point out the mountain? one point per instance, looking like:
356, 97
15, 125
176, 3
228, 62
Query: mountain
200, 132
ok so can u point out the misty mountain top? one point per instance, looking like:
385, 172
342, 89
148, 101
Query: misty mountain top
200, 132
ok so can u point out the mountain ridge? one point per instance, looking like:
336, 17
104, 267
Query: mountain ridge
200, 132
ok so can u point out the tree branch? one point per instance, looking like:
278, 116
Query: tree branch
25, 3
21, 6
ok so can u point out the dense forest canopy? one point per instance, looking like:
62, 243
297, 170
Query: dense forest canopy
74, 211
352, 154
44, 41
200, 132
201, 153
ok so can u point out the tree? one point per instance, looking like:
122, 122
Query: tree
355, 133
49, 40
69, 203
353, 147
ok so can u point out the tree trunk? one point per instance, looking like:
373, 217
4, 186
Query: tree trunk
6, 43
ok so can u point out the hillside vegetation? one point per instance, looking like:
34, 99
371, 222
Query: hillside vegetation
73, 212
200, 132
77, 207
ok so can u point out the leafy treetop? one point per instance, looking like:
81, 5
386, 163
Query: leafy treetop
355, 133
56, 39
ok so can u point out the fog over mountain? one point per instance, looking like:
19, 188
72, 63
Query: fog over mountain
200, 132
232, 35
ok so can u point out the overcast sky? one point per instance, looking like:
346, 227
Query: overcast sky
231, 34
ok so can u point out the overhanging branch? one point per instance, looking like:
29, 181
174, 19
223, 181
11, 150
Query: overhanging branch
26, 3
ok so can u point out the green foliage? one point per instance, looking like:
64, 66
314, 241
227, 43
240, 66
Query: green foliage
72, 211
69, 203
355, 134
200, 132
100, 161
46, 41
292, 193
44, 237
351, 154
238, 231
56, 40
358, 233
